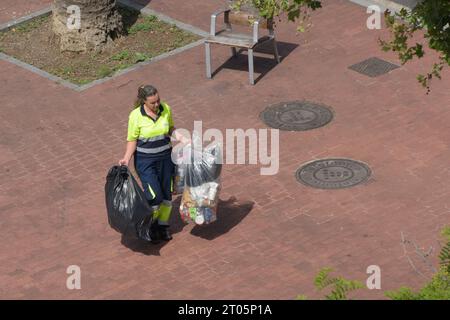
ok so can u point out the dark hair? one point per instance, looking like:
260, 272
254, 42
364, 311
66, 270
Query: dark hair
144, 92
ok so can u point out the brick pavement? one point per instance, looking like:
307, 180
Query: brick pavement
274, 234
14, 9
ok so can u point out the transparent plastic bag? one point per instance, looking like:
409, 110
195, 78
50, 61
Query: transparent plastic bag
200, 209
201, 183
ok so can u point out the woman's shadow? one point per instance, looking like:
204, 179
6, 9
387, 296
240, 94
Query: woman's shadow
229, 214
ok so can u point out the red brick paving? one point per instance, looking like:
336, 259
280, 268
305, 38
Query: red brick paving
56, 146
13, 9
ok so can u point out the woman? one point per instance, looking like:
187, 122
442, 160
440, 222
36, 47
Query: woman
150, 126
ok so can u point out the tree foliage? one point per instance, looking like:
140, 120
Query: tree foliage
433, 18
296, 10
338, 287
438, 288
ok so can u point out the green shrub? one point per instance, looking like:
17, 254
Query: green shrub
437, 289
340, 286
439, 286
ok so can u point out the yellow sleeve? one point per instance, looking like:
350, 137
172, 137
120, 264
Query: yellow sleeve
170, 121
133, 128
170, 116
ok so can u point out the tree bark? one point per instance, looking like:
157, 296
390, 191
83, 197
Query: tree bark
100, 23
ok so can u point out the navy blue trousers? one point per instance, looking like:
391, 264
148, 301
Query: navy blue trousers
156, 175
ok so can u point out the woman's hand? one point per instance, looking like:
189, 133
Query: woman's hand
179, 137
124, 161
131, 147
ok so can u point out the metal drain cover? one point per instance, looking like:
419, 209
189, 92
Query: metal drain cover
373, 67
296, 115
333, 173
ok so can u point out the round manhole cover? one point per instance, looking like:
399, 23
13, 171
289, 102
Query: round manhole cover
296, 115
333, 173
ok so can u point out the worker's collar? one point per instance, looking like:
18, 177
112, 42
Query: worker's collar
161, 109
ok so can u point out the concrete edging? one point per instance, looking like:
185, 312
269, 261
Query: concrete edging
163, 17
145, 11
43, 12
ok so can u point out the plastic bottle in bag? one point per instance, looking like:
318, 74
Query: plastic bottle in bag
200, 219
179, 178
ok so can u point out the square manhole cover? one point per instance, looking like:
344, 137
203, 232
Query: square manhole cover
373, 67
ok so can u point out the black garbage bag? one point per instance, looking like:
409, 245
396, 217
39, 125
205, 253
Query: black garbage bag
128, 210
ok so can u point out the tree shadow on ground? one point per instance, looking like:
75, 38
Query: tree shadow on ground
229, 214
150, 249
131, 14
262, 64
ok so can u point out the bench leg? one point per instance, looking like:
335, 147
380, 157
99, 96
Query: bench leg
208, 60
275, 48
234, 51
250, 66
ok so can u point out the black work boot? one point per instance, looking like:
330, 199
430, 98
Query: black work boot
154, 232
164, 233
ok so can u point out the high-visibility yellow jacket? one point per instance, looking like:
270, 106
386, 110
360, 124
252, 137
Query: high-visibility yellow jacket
152, 136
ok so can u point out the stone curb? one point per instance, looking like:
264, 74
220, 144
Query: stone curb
79, 88
163, 17
8, 25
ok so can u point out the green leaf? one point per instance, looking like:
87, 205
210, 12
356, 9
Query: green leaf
403, 293
446, 233
431, 17
300, 28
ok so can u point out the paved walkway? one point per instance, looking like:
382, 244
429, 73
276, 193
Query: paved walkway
274, 234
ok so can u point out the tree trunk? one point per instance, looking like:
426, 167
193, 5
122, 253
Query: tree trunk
100, 23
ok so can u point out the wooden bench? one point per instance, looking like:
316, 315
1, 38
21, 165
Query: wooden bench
248, 42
